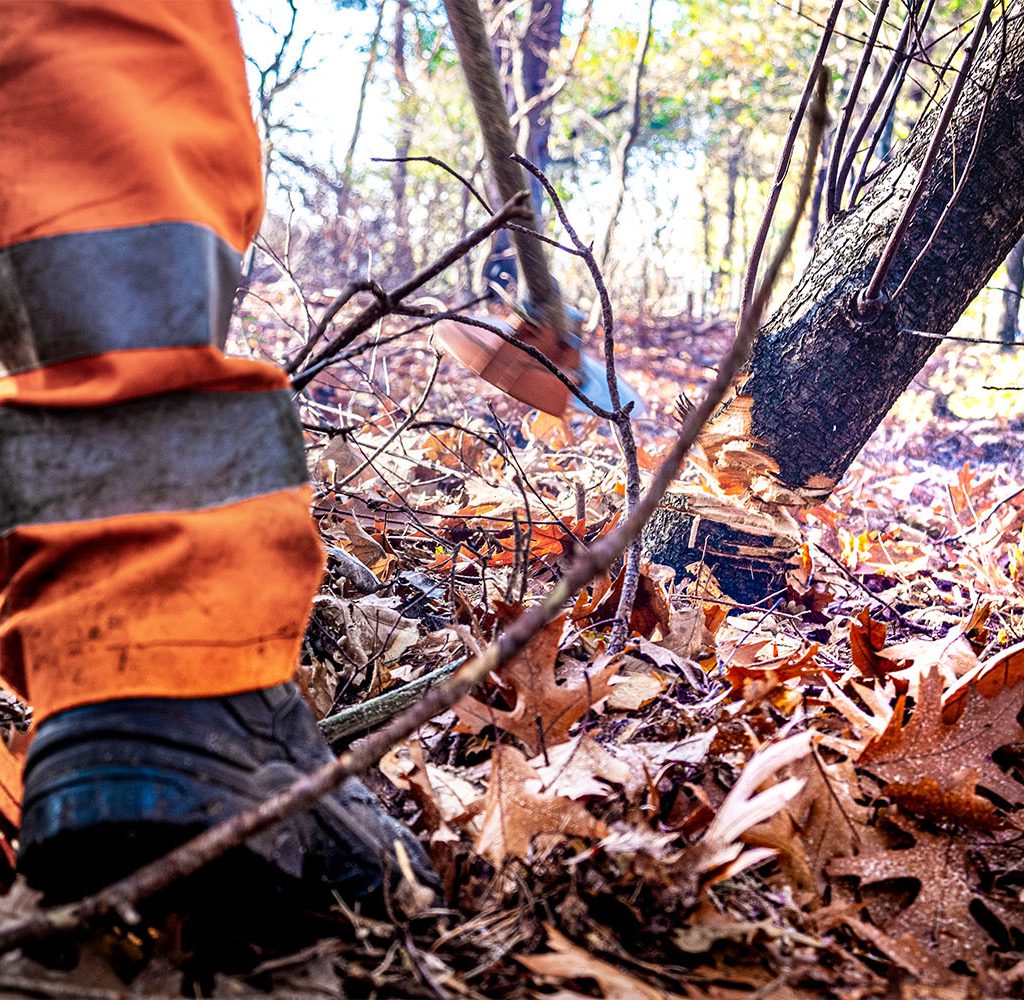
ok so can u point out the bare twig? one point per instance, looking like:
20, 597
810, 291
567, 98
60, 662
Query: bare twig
965, 174
619, 417
837, 177
871, 296
399, 430
464, 181
754, 261
515, 208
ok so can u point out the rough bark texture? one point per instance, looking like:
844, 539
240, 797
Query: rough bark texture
822, 377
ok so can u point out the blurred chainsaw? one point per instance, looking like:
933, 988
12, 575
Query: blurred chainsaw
543, 322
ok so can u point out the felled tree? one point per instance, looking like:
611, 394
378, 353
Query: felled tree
883, 287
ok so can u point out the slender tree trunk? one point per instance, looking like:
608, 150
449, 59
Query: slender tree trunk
403, 260
1009, 328
542, 37
732, 177
817, 196
364, 86
822, 374
524, 58
620, 155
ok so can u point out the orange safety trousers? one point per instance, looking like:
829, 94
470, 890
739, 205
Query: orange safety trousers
155, 537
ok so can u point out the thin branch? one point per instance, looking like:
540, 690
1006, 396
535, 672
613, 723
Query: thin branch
515, 208
464, 181
897, 62
833, 182
871, 297
965, 174
754, 261
619, 417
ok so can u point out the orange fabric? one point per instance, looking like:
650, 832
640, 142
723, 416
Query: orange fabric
125, 112
118, 376
182, 605
10, 794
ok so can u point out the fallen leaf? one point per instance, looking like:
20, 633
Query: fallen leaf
633, 691
568, 961
823, 821
932, 766
940, 916
867, 638
745, 806
580, 768
513, 815
544, 710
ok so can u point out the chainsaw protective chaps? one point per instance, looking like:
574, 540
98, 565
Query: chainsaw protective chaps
155, 537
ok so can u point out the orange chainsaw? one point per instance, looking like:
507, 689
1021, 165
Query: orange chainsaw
543, 322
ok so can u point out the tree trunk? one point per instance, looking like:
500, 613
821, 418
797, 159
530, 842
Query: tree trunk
524, 73
732, 178
823, 376
1009, 328
542, 36
403, 261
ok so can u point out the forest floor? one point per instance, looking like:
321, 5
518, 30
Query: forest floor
814, 796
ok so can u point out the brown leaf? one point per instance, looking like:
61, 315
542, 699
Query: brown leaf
568, 961
931, 766
822, 822
745, 807
544, 710
580, 768
370, 552
635, 690
867, 637
513, 816
940, 915
651, 609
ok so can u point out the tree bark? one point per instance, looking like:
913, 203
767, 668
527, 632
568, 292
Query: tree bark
541, 37
620, 154
822, 375
524, 75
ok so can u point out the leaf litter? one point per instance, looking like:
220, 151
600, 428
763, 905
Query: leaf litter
816, 796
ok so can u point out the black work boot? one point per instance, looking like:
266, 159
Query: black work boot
111, 786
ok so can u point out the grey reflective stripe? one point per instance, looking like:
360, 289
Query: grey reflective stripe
179, 451
169, 284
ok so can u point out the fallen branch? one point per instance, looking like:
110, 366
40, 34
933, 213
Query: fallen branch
123, 896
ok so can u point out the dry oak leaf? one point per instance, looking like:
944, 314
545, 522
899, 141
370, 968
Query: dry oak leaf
940, 916
912, 659
651, 608
568, 961
822, 822
513, 815
579, 769
867, 638
932, 765
720, 852
544, 710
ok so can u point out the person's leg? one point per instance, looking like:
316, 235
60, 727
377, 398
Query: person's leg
157, 557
